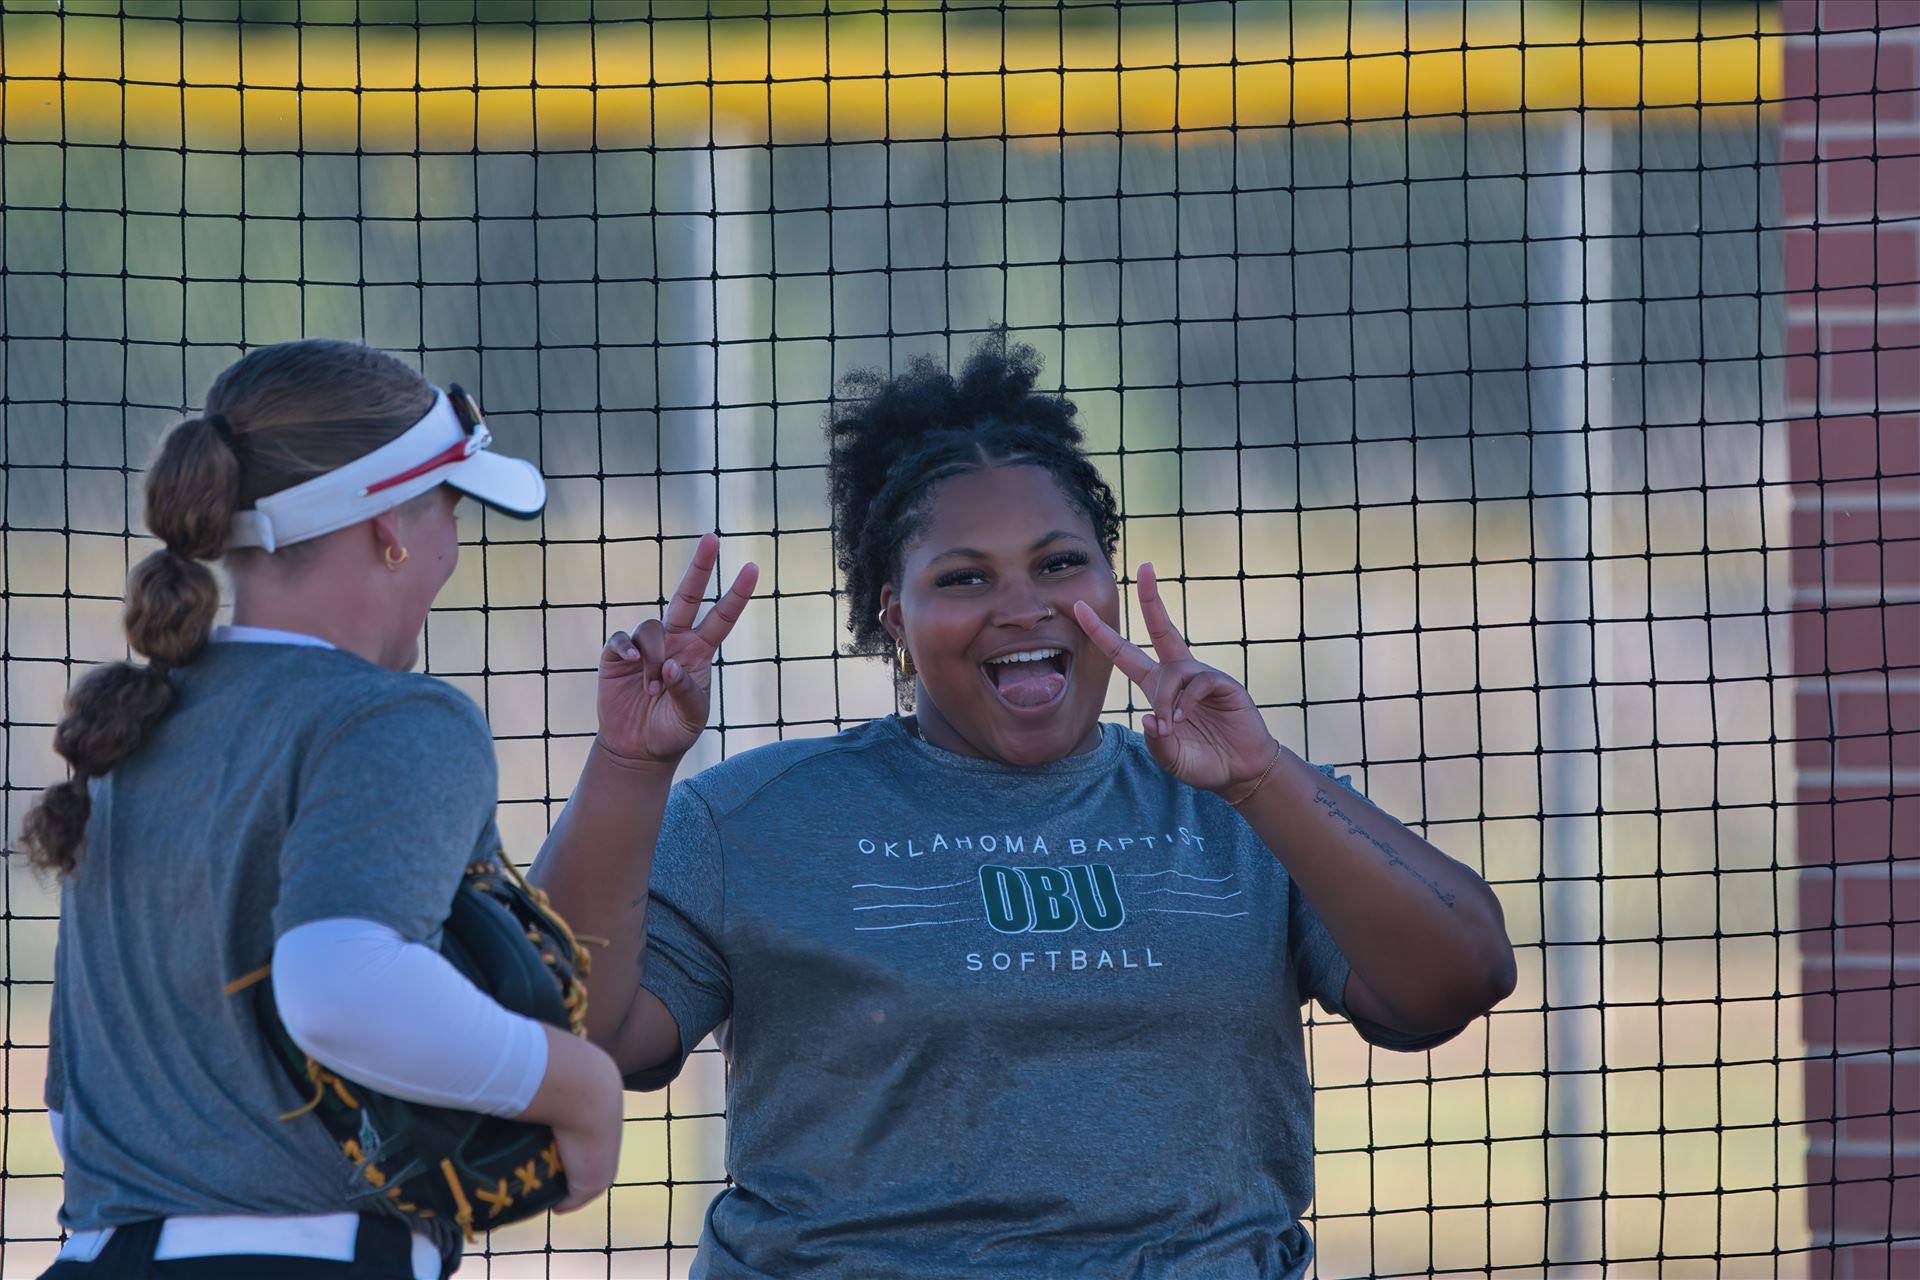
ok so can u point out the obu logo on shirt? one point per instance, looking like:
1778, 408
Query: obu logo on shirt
1051, 899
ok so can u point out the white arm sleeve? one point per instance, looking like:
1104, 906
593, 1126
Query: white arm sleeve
397, 1017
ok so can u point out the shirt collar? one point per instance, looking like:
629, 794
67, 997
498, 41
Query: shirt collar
268, 635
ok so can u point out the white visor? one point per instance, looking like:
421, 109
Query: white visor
438, 449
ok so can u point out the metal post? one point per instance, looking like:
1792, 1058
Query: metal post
1569, 539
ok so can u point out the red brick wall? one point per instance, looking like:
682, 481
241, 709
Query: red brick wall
1850, 189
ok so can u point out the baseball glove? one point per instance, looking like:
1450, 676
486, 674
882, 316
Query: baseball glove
427, 1162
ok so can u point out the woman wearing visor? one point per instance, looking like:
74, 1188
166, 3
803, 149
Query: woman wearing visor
284, 785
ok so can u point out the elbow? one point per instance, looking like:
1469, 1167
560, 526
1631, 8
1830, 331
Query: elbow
1491, 964
1489, 977
321, 1027
1502, 974
1482, 979
320, 975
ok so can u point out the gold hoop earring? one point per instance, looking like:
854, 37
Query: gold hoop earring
394, 562
902, 659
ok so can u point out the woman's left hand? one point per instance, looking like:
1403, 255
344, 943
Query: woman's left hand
1204, 728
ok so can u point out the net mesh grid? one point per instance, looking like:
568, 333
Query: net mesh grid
1458, 434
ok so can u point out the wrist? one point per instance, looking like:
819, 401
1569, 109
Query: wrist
579, 1074
642, 765
1238, 791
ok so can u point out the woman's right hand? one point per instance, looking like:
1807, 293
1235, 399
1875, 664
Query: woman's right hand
655, 684
580, 1099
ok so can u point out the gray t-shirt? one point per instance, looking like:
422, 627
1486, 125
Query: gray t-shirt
287, 785
985, 1021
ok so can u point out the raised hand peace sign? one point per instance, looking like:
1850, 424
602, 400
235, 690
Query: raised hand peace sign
1204, 728
655, 684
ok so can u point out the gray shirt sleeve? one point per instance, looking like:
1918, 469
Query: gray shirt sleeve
390, 808
686, 906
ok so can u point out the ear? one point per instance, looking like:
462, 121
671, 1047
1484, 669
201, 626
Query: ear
387, 531
890, 611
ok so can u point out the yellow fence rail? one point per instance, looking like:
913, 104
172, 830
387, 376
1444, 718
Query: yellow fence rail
898, 74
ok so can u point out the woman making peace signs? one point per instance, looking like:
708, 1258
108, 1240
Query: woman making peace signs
1004, 990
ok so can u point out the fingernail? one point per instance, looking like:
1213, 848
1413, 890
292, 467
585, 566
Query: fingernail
653, 686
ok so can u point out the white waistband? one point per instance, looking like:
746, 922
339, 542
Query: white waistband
323, 1235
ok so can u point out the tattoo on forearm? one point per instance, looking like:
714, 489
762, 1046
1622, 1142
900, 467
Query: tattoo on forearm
1332, 806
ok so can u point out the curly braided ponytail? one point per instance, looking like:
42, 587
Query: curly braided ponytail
303, 408
192, 491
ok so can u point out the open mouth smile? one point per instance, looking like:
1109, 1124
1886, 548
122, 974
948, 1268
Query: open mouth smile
1029, 681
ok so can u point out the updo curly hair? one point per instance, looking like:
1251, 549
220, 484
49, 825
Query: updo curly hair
893, 440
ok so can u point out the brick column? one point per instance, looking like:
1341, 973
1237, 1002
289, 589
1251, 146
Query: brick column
1850, 189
